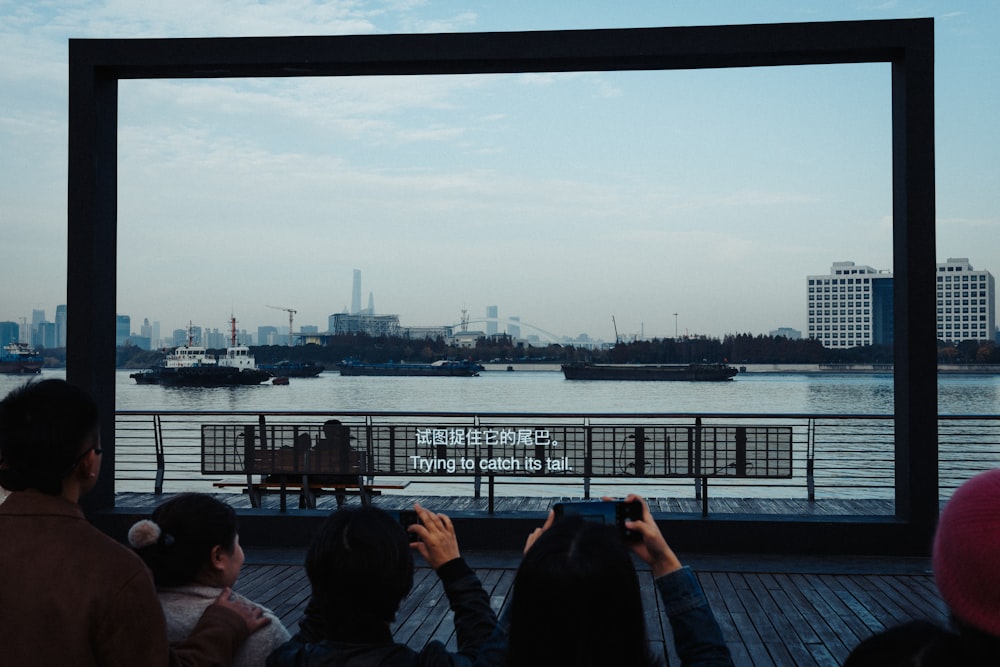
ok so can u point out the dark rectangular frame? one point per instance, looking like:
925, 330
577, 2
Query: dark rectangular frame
96, 66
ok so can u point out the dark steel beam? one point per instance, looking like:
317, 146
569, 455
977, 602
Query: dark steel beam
92, 218
538, 51
914, 285
908, 44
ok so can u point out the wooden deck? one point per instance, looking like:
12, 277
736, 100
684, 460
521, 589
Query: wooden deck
536, 504
774, 609
783, 611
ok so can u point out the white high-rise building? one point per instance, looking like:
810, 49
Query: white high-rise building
966, 302
853, 305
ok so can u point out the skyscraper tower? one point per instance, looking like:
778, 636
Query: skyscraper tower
61, 326
514, 326
356, 293
37, 317
491, 320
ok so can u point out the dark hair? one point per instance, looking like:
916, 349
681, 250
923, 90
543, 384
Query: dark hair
922, 643
576, 601
191, 524
42, 429
361, 567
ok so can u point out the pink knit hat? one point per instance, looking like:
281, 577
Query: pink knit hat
967, 552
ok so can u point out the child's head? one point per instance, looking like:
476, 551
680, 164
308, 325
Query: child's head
191, 538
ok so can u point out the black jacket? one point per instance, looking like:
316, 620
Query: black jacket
925, 644
480, 641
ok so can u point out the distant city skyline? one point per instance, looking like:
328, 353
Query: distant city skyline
564, 199
500, 325
496, 321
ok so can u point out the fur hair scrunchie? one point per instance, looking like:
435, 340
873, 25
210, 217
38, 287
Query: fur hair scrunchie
147, 533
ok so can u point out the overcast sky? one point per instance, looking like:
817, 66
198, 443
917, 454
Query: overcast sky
563, 199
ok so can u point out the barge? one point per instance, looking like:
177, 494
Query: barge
444, 368
20, 359
650, 372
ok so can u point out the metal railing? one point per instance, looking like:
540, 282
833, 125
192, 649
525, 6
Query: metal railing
832, 456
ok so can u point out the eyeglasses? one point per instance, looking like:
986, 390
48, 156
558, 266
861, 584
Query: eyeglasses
76, 461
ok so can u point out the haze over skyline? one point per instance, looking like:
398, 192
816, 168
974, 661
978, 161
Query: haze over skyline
564, 199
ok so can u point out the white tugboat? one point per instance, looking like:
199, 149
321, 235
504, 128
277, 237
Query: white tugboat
191, 366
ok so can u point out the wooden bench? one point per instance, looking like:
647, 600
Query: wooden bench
280, 457
309, 490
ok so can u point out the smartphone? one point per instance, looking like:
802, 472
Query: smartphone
408, 518
606, 512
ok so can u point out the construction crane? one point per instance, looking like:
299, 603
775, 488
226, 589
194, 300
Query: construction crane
291, 315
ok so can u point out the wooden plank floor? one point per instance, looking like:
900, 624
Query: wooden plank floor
774, 609
537, 504
779, 611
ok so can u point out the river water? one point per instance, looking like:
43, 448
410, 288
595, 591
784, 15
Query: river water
546, 391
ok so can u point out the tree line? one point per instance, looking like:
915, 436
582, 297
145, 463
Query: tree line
733, 349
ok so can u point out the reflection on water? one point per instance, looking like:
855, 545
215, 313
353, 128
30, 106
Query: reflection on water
860, 394
968, 394
547, 391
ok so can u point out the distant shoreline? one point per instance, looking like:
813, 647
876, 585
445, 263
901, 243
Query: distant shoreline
887, 369
818, 369
747, 369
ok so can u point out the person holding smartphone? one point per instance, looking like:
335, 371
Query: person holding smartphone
360, 567
576, 598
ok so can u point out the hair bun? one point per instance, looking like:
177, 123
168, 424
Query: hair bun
144, 534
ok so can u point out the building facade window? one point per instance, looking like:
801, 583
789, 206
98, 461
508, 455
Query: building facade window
965, 300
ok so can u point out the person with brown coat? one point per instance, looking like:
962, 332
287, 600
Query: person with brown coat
69, 594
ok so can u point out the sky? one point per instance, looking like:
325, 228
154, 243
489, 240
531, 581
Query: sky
643, 203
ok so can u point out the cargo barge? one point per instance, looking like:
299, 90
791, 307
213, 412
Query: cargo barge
446, 368
649, 372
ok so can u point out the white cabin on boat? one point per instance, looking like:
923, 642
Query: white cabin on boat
238, 357
190, 356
